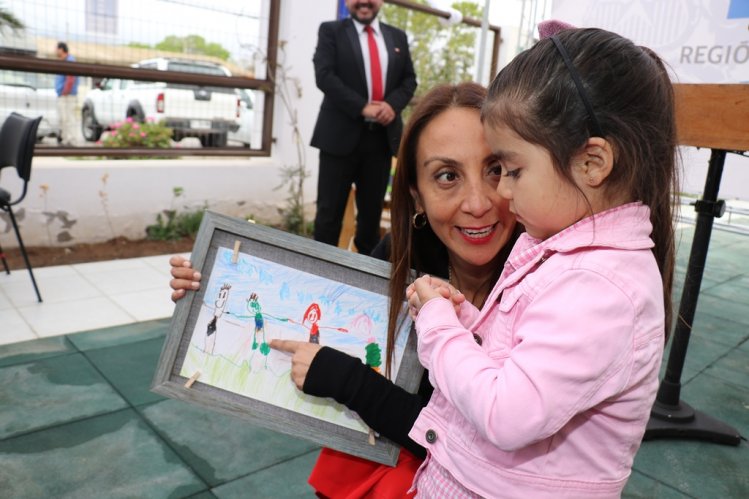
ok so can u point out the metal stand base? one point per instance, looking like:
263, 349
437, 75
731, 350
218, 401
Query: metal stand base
682, 421
670, 417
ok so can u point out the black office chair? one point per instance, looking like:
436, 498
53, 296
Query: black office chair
17, 141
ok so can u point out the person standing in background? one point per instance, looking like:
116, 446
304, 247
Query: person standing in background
66, 87
364, 68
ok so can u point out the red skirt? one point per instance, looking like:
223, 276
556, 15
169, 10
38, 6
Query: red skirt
340, 476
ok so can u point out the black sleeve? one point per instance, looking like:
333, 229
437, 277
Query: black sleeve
399, 97
387, 408
327, 70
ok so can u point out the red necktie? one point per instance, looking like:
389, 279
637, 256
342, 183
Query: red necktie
374, 63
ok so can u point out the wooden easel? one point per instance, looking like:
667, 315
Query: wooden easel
348, 228
716, 117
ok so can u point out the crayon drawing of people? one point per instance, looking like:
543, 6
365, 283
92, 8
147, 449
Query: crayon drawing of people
256, 313
218, 311
313, 315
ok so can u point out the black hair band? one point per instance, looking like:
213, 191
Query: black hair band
595, 126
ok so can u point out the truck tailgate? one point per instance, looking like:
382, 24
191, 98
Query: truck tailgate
200, 103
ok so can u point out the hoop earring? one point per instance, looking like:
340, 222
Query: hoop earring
419, 220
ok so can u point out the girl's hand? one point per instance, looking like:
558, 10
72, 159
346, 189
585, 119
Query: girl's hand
447, 290
302, 354
185, 278
425, 288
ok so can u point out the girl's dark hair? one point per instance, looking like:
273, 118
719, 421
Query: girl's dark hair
632, 99
420, 249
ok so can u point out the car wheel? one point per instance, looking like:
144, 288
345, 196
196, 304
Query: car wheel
136, 115
214, 140
89, 127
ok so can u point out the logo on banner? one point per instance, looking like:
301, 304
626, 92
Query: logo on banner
738, 9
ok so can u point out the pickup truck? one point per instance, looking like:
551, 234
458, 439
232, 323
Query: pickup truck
31, 94
208, 113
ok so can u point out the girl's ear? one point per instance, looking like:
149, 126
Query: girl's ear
595, 162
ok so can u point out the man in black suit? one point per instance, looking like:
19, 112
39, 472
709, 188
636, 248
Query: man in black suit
359, 126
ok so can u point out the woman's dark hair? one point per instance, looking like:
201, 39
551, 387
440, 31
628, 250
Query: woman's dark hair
420, 249
632, 100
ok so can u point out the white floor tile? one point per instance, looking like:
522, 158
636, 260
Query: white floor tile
4, 302
20, 293
51, 319
161, 262
128, 280
53, 290
109, 266
20, 275
146, 305
13, 328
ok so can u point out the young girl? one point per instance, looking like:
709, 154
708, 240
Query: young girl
548, 391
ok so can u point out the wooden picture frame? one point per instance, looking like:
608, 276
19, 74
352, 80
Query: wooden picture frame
237, 373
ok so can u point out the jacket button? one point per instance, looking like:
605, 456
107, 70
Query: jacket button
477, 338
431, 436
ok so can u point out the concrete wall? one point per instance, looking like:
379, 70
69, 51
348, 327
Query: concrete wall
73, 201
88, 200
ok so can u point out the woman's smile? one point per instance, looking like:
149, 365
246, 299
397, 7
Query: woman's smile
478, 235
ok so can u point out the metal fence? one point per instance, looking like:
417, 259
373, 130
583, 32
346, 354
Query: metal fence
151, 77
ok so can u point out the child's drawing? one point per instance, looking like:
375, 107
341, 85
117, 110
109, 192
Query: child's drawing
251, 344
218, 310
253, 305
312, 316
239, 359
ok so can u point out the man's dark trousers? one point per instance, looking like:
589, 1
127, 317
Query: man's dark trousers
368, 166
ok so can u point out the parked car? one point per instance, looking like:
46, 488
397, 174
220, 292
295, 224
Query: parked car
30, 94
246, 119
208, 113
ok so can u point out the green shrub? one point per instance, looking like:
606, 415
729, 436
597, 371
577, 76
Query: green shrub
171, 225
130, 133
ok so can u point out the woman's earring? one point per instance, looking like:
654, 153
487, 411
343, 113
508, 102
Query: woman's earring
419, 220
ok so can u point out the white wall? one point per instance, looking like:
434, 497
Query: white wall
137, 190
298, 31
130, 193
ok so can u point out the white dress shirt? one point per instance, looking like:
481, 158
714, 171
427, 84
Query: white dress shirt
364, 42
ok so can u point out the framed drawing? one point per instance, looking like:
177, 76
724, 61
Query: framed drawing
259, 284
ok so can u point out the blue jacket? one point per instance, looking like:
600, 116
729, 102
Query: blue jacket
60, 81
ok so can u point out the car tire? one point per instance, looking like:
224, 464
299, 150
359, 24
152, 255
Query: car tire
214, 140
89, 127
135, 111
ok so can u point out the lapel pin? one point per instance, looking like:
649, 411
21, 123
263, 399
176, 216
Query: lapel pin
397, 50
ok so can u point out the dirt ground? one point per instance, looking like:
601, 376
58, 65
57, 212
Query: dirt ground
113, 249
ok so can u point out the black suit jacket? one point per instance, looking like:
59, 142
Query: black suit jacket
339, 73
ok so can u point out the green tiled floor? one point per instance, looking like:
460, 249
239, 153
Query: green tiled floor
77, 419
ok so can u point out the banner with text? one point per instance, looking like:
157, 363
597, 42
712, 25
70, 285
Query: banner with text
704, 41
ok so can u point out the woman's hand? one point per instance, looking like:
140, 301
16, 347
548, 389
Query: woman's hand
302, 354
426, 288
185, 278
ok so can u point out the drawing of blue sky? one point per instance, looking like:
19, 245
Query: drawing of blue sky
285, 293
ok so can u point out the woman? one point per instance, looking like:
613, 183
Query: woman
447, 220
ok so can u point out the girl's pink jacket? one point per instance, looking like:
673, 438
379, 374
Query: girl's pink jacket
554, 400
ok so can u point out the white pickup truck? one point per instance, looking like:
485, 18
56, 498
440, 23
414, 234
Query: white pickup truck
31, 94
208, 113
